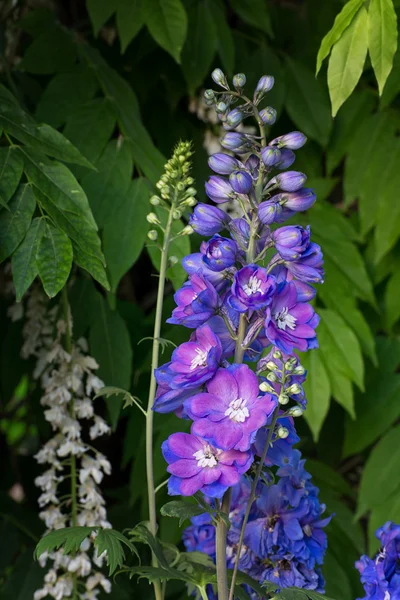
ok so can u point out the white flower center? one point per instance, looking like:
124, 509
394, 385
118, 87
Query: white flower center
238, 410
252, 286
205, 457
284, 319
200, 360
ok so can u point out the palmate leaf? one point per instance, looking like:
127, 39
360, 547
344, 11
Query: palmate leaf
70, 539
158, 574
112, 541
128, 399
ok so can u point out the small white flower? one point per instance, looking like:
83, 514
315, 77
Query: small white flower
99, 428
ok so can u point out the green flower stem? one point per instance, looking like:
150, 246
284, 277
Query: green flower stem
74, 493
152, 391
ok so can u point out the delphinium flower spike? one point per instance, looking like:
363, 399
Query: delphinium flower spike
248, 291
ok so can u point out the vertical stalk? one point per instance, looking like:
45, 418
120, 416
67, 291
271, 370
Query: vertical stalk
152, 391
74, 493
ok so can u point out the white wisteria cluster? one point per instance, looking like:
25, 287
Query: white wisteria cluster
69, 384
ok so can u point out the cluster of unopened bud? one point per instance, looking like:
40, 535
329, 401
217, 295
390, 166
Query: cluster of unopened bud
175, 190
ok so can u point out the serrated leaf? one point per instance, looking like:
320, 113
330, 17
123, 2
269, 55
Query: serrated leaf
141, 533
129, 400
11, 167
125, 232
342, 21
110, 541
382, 38
380, 475
167, 22
23, 261
54, 259
200, 46
307, 102
69, 538
318, 391
107, 187
254, 13
158, 574
347, 60
130, 20
99, 12
181, 510
110, 345
15, 222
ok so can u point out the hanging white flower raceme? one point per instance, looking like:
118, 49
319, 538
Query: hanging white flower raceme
73, 468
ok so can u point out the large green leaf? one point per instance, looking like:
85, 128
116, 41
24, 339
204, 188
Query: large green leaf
255, 13
382, 38
125, 233
11, 166
106, 187
347, 60
392, 304
52, 51
392, 86
318, 391
111, 347
307, 102
54, 259
130, 20
387, 230
15, 222
200, 46
167, 22
23, 261
380, 475
99, 12
342, 21
226, 46
337, 583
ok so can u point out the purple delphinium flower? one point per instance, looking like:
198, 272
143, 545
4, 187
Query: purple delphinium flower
241, 182
220, 253
208, 220
232, 410
309, 266
270, 156
293, 140
197, 301
195, 465
281, 449
200, 538
194, 264
281, 207
193, 362
219, 189
289, 181
252, 288
168, 400
223, 164
291, 324
291, 241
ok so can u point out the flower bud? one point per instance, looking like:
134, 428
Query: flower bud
271, 366
188, 230
221, 107
219, 78
267, 212
189, 181
241, 182
155, 200
301, 200
235, 141
239, 81
282, 433
286, 160
265, 387
270, 156
296, 411
153, 219
290, 181
268, 115
208, 220
191, 201
283, 399
293, 140
210, 97
293, 389
220, 253
290, 363
218, 189
152, 235
176, 214
272, 377
234, 117
264, 85
277, 354
173, 260
191, 191
223, 164
299, 370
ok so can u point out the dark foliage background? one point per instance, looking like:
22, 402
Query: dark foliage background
122, 80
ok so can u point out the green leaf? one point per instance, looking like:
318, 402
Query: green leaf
54, 259
254, 13
130, 20
52, 51
380, 475
23, 261
167, 22
15, 223
99, 12
387, 511
65, 94
307, 102
41, 137
392, 304
392, 86
110, 541
318, 391
91, 126
347, 60
342, 21
110, 345
107, 187
141, 533
325, 474
69, 538
128, 399
181, 510
387, 230
341, 346
200, 46
337, 583
226, 46
382, 38
11, 167
125, 232
158, 574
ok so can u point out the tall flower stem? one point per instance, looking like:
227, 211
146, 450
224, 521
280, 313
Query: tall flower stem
74, 492
152, 391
